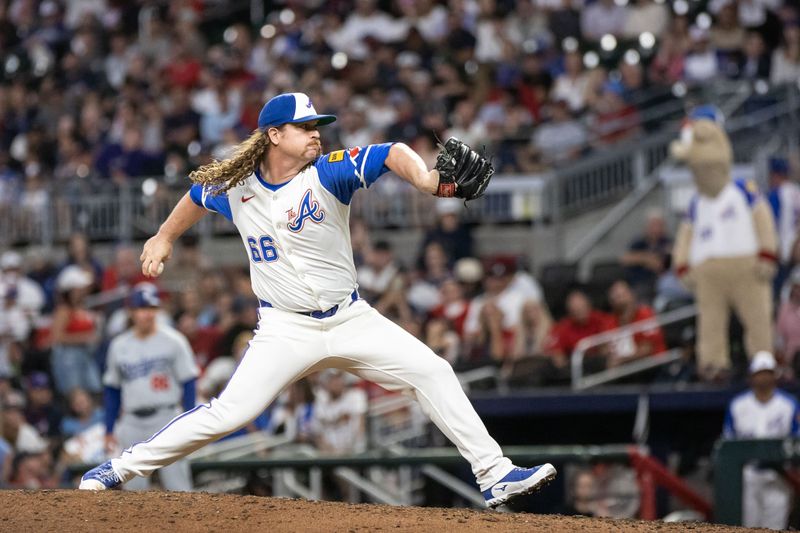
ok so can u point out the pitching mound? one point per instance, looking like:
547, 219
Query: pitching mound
72, 510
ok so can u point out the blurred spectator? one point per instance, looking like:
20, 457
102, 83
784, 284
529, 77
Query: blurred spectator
625, 310
187, 267
494, 316
612, 118
644, 260
379, 274
562, 138
15, 327
441, 337
701, 63
205, 340
784, 198
763, 412
786, 58
41, 411
582, 499
31, 471
646, 16
293, 416
28, 294
727, 36
787, 323
79, 253
125, 271
604, 17
453, 306
450, 232
74, 332
755, 63
245, 319
340, 411
572, 85
581, 321
16, 431
82, 414
669, 63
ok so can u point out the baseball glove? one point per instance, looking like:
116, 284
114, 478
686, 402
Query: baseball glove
463, 172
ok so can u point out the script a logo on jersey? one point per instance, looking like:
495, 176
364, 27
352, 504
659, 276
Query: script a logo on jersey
309, 209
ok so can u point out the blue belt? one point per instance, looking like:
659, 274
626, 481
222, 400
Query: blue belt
317, 314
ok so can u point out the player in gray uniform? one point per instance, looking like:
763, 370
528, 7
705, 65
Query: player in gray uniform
150, 374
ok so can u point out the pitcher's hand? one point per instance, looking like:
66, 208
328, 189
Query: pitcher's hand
157, 250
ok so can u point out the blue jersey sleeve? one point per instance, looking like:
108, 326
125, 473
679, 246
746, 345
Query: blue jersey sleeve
728, 426
749, 190
345, 171
215, 203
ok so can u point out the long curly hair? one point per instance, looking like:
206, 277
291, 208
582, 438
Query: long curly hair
220, 176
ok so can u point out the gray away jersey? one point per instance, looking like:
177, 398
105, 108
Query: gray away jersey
150, 372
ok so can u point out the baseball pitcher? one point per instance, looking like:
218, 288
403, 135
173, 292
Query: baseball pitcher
291, 205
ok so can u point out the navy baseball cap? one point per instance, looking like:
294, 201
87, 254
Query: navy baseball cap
290, 108
144, 295
778, 165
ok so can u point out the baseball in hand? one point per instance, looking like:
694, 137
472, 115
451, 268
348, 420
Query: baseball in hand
160, 269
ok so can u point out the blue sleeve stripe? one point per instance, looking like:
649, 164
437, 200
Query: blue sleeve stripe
215, 203
189, 394
113, 401
196, 194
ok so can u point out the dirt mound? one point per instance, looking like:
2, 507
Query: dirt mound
72, 510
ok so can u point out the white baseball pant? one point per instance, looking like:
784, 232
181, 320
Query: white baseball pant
766, 499
288, 346
131, 429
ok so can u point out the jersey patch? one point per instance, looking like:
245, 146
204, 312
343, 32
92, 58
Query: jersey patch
309, 209
335, 157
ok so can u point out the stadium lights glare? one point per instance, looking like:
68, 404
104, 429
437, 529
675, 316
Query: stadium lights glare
679, 89
591, 59
193, 149
570, 44
530, 46
680, 7
647, 40
286, 16
267, 31
608, 42
82, 171
703, 21
471, 67
632, 57
12, 64
761, 87
149, 187
621, 3
339, 60
230, 35
660, 1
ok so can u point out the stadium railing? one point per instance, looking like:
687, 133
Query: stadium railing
582, 382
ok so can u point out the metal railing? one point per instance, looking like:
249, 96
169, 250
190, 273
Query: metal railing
580, 382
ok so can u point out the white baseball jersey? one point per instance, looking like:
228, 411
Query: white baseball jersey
785, 203
150, 372
297, 234
748, 418
723, 226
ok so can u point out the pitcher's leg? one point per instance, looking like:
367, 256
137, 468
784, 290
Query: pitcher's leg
383, 352
268, 366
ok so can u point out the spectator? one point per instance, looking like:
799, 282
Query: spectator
125, 272
16, 431
763, 412
583, 500
604, 17
613, 119
28, 294
82, 414
14, 330
755, 63
453, 306
41, 411
450, 231
625, 311
379, 275
701, 63
784, 198
79, 253
727, 37
786, 58
340, 415
294, 417
74, 333
644, 260
581, 321
441, 337
787, 324
562, 138
572, 85
187, 267
646, 16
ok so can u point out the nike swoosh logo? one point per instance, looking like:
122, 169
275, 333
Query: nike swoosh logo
248, 198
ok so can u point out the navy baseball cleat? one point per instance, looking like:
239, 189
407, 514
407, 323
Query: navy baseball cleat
100, 478
519, 482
